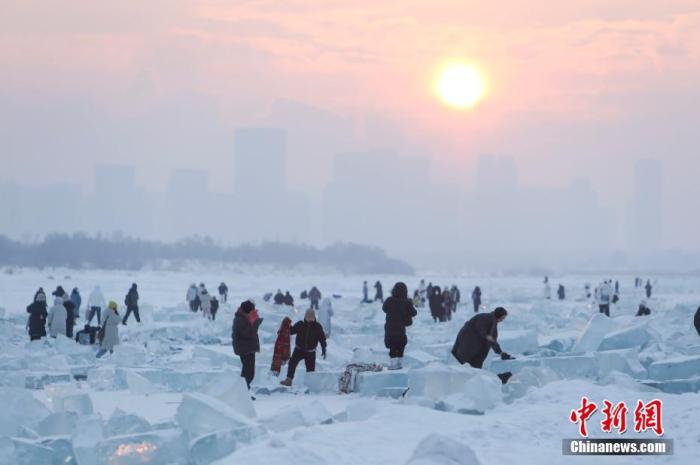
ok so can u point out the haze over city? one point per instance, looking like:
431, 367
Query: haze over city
443, 132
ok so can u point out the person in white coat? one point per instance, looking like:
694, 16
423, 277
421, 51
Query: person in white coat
547, 291
57, 318
192, 297
110, 330
205, 303
96, 302
324, 316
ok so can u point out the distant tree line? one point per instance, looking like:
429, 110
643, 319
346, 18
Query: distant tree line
119, 252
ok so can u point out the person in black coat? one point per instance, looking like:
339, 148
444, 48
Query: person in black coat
643, 310
132, 304
214, 307
648, 289
37, 317
279, 298
478, 336
399, 314
561, 292
309, 334
288, 299
378, 292
435, 302
70, 315
223, 292
244, 337
697, 321
476, 298
87, 335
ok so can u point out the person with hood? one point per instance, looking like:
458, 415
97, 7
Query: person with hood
648, 289
77, 301
223, 292
435, 303
365, 294
288, 299
37, 317
378, 292
57, 318
109, 334
96, 302
314, 297
477, 337
205, 303
324, 316
282, 346
214, 307
476, 299
70, 315
279, 298
244, 336
309, 334
561, 292
132, 304
399, 314
191, 297
39, 291
446, 305
696, 321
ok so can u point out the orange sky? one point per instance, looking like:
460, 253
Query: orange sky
552, 66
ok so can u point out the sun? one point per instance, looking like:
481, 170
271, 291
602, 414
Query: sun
460, 85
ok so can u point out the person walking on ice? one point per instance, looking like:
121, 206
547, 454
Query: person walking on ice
244, 336
399, 315
95, 304
309, 334
109, 334
132, 304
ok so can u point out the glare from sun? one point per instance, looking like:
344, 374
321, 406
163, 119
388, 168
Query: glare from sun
460, 85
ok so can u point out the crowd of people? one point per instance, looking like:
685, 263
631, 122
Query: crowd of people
199, 298
61, 318
606, 294
476, 338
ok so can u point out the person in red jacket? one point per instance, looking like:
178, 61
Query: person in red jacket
282, 346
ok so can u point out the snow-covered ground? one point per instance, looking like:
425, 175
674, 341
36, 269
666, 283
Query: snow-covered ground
171, 393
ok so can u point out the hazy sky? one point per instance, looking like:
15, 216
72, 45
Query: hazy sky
576, 88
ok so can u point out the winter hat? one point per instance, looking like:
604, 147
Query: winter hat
247, 306
500, 312
310, 315
112, 305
